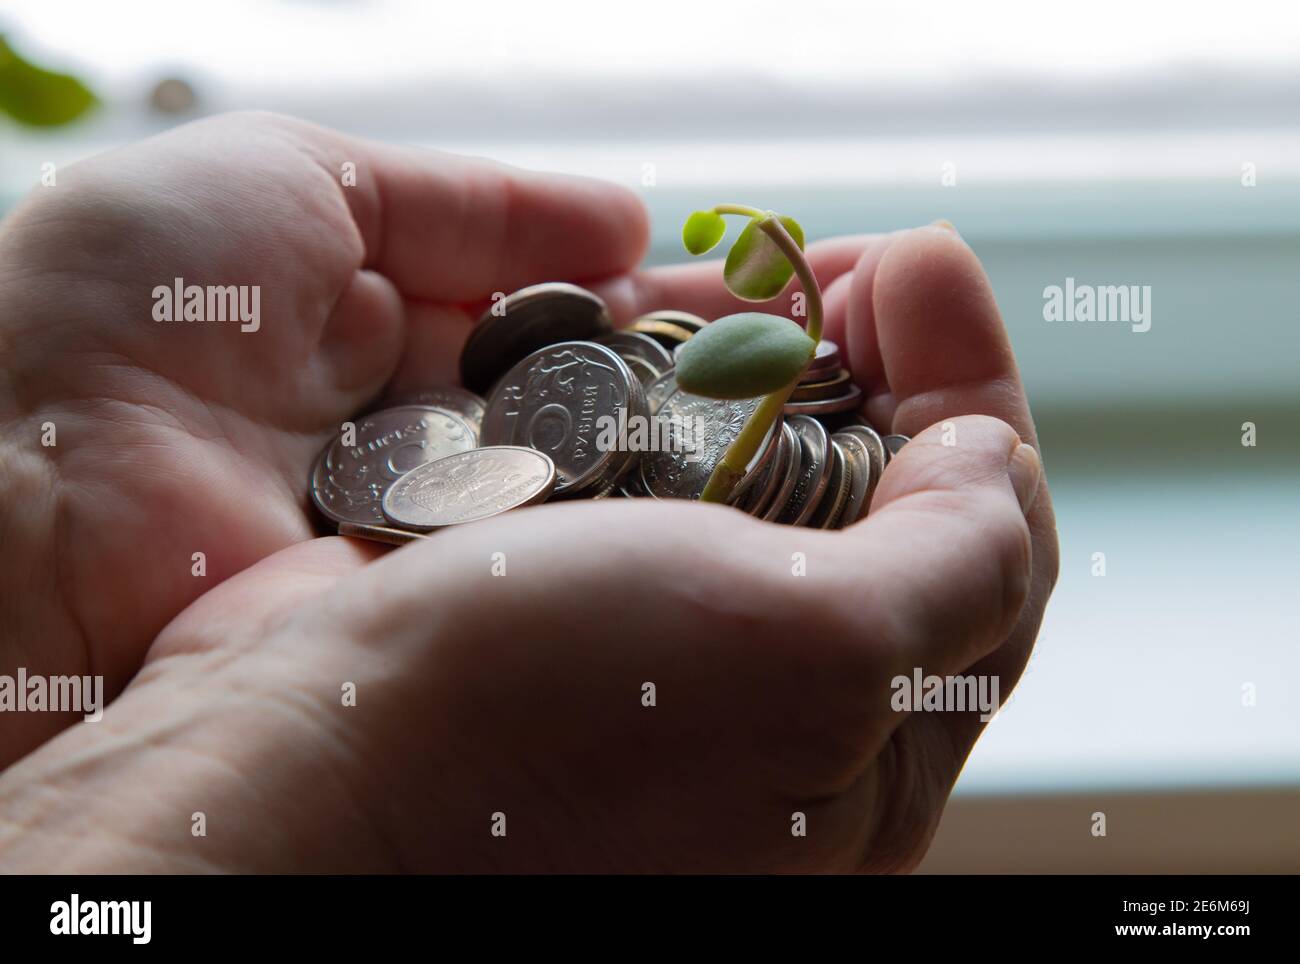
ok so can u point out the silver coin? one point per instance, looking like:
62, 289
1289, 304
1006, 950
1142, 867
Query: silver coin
760, 470
469, 486
525, 321
761, 495
683, 319
894, 443
827, 514
847, 402
657, 392
665, 333
789, 479
646, 357
825, 363
814, 470
556, 401
464, 403
676, 473
864, 449
385, 534
349, 482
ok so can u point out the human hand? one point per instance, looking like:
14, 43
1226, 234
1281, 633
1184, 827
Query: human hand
175, 437
522, 694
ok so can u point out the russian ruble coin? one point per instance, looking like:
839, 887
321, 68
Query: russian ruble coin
814, 470
525, 321
665, 333
834, 387
680, 471
646, 357
469, 486
847, 402
865, 452
825, 362
894, 444
683, 319
459, 401
349, 481
789, 476
827, 514
762, 494
760, 469
556, 401
657, 392
385, 534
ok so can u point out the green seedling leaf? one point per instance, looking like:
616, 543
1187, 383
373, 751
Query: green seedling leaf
38, 97
743, 356
756, 268
702, 231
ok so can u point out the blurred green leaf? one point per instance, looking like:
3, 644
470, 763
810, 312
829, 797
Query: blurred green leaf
743, 356
702, 231
39, 97
756, 268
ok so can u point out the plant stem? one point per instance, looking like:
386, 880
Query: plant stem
744, 209
730, 469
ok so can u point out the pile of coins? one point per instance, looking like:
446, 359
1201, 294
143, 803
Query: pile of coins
546, 376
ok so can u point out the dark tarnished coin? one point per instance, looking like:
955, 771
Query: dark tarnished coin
827, 515
679, 471
385, 534
525, 321
814, 470
789, 479
894, 443
469, 486
646, 357
866, 453
558, 400
349, 482
845, 403
458, 401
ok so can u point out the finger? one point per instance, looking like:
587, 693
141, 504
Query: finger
451, 228
946, 353
939, 339
698, 287
945, 554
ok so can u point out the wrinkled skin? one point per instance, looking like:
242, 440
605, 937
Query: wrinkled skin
476, 694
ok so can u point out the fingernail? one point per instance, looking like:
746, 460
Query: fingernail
946, 225
1026, 471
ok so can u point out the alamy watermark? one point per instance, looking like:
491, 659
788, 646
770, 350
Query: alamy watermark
655, 433
1127, 304
945, 694
182, 302
53, 694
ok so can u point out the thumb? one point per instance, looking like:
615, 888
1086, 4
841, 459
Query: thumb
951, 549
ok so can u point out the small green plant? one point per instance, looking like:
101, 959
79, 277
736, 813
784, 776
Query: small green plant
752, 353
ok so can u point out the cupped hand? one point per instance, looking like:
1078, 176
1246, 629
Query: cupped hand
178, 437
499, 672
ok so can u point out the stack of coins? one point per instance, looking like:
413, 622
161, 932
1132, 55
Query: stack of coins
562, 397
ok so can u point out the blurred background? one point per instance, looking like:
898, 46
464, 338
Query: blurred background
1113, 143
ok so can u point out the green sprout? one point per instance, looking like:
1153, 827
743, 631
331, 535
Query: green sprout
752, 353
